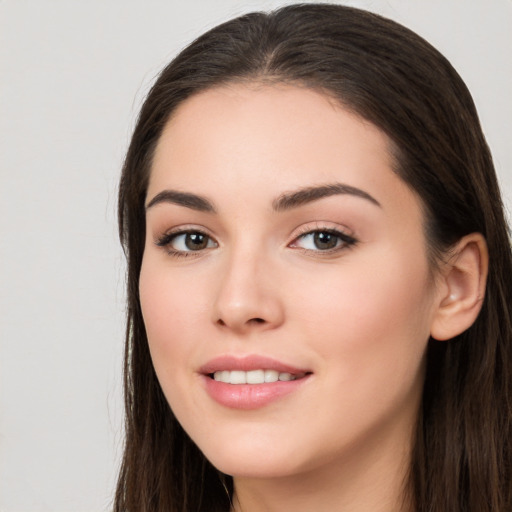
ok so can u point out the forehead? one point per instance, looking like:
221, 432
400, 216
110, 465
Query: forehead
252, 120
258, 113
266, 139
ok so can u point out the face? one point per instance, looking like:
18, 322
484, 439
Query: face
285, 286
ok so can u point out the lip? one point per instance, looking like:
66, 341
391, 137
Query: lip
248, 363
250, 396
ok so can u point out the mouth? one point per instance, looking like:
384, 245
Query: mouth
259, 376
251, 369
251, 382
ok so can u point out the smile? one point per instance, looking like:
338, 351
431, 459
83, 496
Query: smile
254, 376
251, 381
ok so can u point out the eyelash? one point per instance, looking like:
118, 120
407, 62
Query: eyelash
344, 241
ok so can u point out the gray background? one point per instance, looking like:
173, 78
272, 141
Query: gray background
72, 77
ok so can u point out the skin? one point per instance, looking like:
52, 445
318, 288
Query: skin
357, 317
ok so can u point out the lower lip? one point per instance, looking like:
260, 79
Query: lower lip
250, 396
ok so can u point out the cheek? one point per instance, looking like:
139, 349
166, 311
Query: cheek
374, 321
370, 334
170, 308
170, 311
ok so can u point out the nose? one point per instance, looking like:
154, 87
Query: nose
248, 296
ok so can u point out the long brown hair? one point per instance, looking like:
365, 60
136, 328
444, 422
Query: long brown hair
462, 458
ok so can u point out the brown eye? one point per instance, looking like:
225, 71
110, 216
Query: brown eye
186, 242
196, 241
323, 240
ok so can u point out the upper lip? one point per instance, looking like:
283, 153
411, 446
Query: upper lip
248, 363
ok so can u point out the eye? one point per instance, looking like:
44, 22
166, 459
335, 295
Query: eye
324, 240
186, 242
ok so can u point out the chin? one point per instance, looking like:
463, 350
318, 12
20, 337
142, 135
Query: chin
261, 466
245, 457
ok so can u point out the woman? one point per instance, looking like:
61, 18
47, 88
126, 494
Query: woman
319, 277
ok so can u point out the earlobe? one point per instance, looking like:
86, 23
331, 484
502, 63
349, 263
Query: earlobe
462, 290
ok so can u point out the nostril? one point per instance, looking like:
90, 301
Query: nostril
251, 321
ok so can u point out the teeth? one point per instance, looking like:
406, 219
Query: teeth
238, 377
271, 376
253, 376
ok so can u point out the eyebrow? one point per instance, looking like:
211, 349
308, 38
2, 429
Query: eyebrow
284, 202
185, 199
290, 200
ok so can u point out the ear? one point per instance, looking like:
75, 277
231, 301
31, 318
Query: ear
461, 287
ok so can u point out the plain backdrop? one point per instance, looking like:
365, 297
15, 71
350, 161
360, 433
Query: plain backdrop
73, 74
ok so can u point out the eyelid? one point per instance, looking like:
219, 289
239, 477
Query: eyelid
310, 227
183, 228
